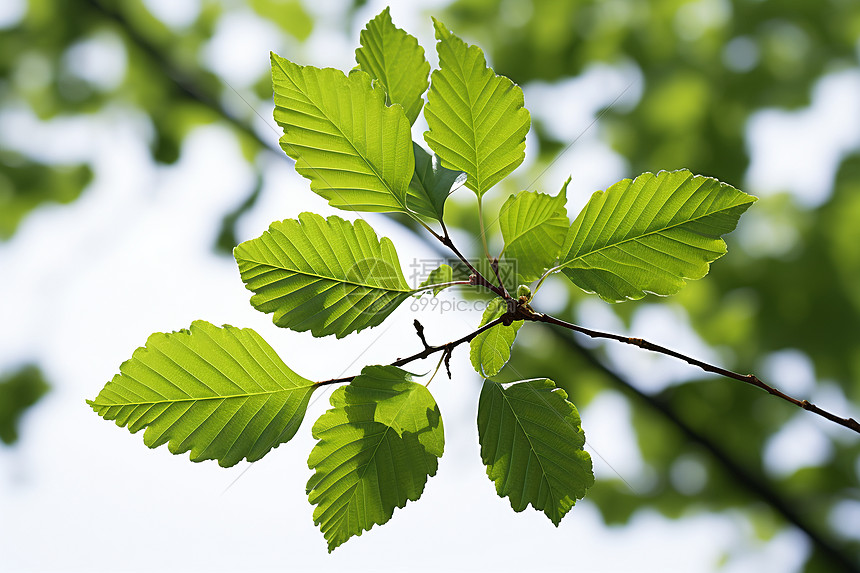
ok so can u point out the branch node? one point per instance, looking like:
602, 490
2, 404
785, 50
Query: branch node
524, 313
419, 330
447, 359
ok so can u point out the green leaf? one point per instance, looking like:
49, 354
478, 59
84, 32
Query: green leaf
441, 274
477, 121
376, 448
534, 226
491, 350
395, 58
532, 444
650, 234
19, 391
222, 393
355, 150
328, 276
431, 184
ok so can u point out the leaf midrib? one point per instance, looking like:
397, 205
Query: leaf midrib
192, 399
642, 236
323, 277
348, 140
474, 131
531, 445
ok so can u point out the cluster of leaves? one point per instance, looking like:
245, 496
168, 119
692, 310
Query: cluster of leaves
223, 393
788, 291
45, 72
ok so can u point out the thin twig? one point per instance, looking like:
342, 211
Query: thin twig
849, 423
447, 348
479, 279
494, 264
744, 476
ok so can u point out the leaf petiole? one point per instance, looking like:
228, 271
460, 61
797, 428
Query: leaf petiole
541, 279
483, 232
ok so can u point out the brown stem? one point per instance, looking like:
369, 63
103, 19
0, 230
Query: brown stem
495, 265
480, 279
447, 348
849, 423
746, 478
419, 330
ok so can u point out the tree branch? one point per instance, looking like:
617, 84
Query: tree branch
745, 478
429, 350
188, 88
849, 423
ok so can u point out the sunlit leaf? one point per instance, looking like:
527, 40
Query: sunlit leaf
356, 151
222, 393
376, 448
491, 350
328, 276
532, 444
650, 234
440, 275
534, 226
477, 121
395, 58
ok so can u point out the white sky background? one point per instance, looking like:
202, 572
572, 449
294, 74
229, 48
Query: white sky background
134, 256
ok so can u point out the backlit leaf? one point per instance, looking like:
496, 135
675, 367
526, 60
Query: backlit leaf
477, 121
534, 226
395, 58
431, 184
355, 150
441, 274
328, 276
222, 393
650, 234
491, 350
376, 448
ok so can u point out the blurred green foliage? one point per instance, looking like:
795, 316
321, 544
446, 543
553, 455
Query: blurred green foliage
18, 391
25, 184
47, 67
706, 65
